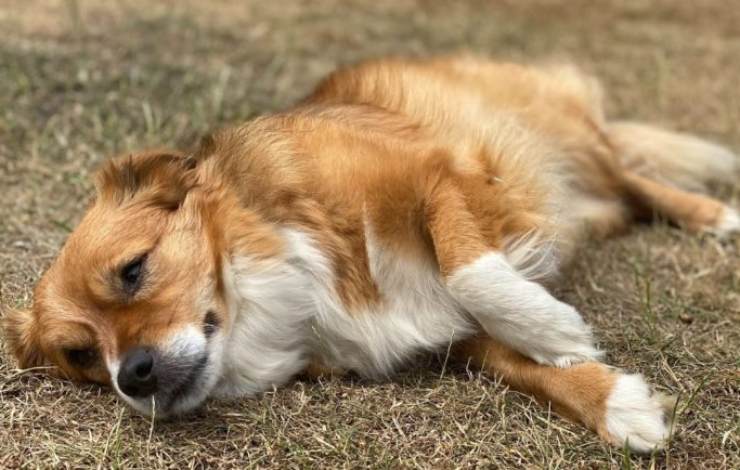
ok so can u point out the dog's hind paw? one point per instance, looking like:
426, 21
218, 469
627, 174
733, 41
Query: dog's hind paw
728, 223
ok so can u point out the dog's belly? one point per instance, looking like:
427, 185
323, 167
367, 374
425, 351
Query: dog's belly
415, 313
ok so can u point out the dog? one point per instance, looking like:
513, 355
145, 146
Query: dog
405, 206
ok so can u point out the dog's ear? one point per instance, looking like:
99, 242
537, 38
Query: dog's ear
158, 177
19, 328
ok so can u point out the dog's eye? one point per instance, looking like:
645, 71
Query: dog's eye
132, 272
82, 358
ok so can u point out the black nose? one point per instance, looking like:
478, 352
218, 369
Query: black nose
136, 377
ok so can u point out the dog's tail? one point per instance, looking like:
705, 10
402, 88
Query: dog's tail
620, 407
677, 159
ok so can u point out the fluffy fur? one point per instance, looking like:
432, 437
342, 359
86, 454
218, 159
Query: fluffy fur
404, 207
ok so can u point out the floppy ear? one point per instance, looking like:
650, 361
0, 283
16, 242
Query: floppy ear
158, 177
19, 327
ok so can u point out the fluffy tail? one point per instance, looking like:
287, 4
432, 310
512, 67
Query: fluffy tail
681, 160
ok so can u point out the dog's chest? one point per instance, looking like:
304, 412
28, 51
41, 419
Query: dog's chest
415, 313
288, 313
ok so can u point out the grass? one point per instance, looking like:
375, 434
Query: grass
82, 80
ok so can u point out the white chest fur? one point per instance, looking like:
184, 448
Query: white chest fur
415, 314
287, 311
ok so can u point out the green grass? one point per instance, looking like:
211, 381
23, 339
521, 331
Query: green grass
82, 80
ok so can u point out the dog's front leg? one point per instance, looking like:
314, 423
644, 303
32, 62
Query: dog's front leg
509, 307
521, 313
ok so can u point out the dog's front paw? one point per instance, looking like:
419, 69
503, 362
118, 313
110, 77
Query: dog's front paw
576, 353
567, 360
566, 341
636, 416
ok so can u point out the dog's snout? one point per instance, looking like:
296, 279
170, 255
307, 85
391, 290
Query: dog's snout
136, 377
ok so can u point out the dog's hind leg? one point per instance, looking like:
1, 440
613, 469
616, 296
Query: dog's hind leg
664, 173
621, 408
693, 211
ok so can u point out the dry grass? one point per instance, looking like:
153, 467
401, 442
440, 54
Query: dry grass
81, 80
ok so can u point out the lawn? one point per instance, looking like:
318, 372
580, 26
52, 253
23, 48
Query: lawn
81, 80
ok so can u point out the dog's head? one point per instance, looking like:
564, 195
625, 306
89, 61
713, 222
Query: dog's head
134, 299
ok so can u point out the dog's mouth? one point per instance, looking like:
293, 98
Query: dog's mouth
186, 389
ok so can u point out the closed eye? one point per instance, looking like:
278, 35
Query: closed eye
132, 273
82, 358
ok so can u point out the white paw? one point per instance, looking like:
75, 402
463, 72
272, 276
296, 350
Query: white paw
567, 360
729, 223
565, 341
636, 416
575, 355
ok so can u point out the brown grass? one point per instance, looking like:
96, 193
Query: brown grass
81, 80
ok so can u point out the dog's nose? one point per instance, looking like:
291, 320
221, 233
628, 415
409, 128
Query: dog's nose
136, 377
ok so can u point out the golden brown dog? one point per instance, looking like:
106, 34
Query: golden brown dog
405, 206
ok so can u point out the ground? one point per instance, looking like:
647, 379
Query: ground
81, 80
